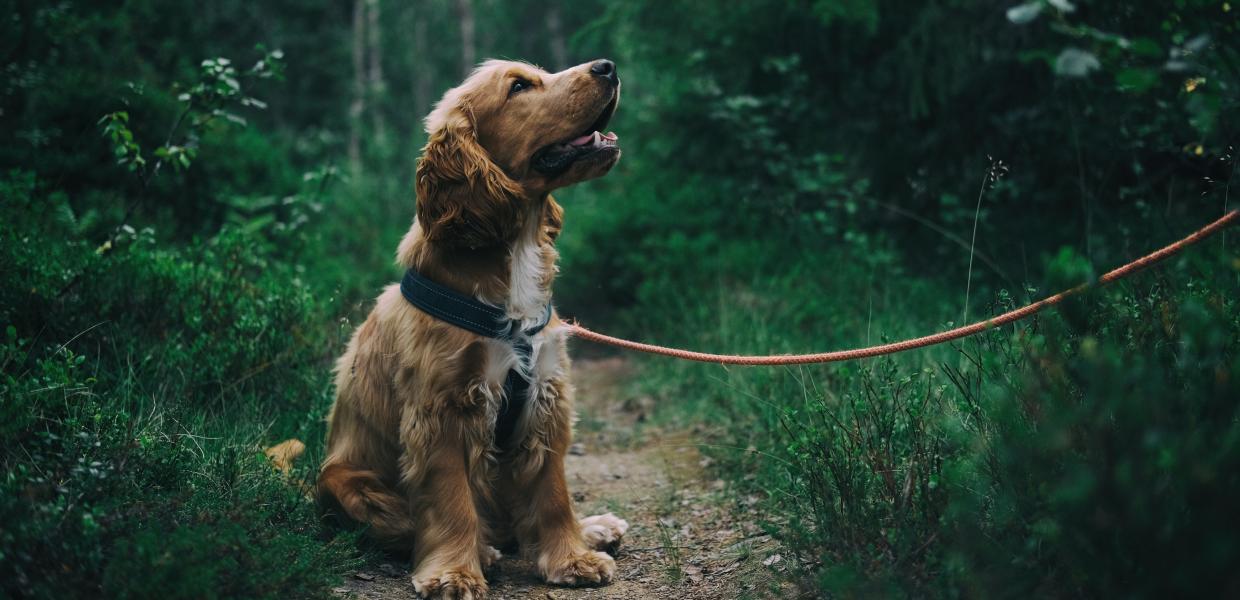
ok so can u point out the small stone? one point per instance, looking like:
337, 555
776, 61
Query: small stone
364, 576
552, 596
772, 559
340, 591
577, 449
579, 496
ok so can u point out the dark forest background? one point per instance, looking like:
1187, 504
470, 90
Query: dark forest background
198, 202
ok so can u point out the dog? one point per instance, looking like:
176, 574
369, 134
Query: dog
447, 441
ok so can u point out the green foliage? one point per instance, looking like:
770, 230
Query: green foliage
133, 468
128, 153
796, 176
1069, 455
1106, 445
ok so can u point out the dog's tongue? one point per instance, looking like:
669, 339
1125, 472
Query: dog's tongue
593, 137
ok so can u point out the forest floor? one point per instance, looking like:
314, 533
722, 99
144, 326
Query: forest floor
686, 539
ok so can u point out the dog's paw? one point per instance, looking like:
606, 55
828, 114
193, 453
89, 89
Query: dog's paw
488, 556
283, 454
586, 568
603, 532
450, 585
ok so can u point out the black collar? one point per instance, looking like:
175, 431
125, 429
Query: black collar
463, 311
487, 320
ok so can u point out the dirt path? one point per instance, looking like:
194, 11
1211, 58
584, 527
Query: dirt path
683, 541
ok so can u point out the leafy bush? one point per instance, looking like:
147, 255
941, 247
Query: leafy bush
1073, 454
1109, 448
140, 385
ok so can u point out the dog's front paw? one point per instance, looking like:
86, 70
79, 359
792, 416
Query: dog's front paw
488, 556
585, 568
450, 585
603, 532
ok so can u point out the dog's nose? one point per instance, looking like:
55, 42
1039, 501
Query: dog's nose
605, 69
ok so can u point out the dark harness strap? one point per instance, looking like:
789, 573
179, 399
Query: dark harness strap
487, 320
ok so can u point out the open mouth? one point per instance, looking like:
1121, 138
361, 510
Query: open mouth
593, 136
558, 157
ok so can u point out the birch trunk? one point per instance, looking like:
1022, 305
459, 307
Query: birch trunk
555, 34
465, 15
423, 67
358, 106
375, 84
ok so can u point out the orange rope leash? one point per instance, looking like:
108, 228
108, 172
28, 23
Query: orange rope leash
921, 342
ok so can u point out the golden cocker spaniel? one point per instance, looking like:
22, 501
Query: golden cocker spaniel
444, 440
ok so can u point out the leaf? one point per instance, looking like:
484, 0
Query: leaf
1197, 44
1146, 47
1062, 5
1136, 80
233, 118
1025, 13
1074, 62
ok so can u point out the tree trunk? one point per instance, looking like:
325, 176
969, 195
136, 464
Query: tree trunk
423, 68
465, 14
422, 78
555, 34
358, 106
376, 86
486, 35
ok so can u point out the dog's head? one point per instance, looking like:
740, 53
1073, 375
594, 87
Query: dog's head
512, 132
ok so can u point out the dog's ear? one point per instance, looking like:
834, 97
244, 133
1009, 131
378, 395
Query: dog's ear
553, 220
464, 199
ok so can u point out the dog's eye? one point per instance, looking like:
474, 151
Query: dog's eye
519, 84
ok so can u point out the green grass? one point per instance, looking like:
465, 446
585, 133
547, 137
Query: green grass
139, 388
1064, 455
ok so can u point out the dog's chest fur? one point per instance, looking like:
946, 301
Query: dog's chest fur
531, 268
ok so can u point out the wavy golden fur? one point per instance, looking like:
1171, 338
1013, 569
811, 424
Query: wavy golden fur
411, 450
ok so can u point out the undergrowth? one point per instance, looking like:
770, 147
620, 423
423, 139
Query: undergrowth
1078, 453
139, 387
